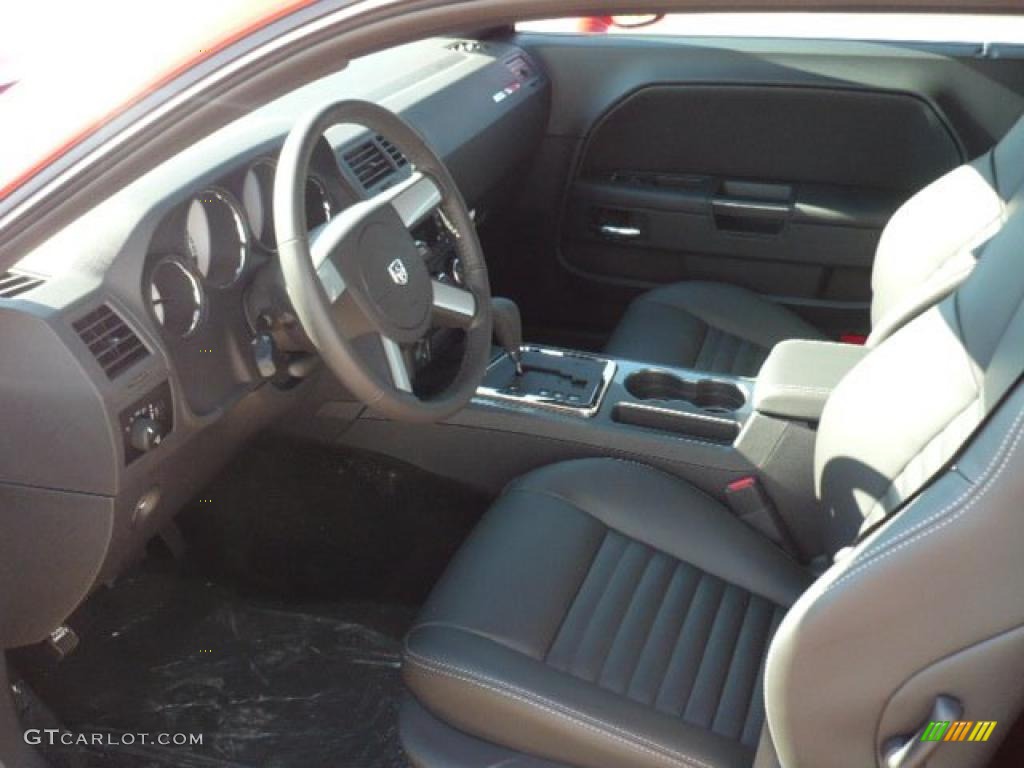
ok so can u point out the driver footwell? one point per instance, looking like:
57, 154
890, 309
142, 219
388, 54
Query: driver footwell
275, 635
262, 683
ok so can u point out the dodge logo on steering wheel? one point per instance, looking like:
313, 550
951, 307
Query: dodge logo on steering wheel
399, 274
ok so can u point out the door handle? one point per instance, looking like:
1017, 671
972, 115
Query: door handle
754, 208
619, 233
751, 217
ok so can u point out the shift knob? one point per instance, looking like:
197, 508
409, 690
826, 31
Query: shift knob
508, 328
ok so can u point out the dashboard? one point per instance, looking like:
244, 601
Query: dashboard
146, 342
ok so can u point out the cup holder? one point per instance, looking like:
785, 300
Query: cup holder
707, 394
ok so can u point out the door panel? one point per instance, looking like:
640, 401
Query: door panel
772, 164
822, 134
773, 188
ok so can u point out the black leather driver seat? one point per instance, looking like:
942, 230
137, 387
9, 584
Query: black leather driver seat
605, 613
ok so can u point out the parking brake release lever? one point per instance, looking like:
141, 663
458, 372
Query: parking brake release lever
915, 751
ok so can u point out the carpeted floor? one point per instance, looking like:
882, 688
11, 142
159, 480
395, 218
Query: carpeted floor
264, 683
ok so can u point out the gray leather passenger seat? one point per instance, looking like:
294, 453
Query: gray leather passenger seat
605, 614
928, 248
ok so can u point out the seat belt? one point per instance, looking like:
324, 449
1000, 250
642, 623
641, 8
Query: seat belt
1005, 371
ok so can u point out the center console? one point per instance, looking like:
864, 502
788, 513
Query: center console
583, 385
702, 406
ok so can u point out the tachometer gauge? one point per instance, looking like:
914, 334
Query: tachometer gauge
175, 297
258, 201
217, 238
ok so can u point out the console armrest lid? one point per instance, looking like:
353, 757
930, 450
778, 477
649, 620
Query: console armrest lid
798, 377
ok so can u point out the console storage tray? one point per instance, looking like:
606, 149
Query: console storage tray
716, 430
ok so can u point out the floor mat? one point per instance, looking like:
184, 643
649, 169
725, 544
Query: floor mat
264, 683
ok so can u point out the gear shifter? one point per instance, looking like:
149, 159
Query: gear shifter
508, 329
573, 382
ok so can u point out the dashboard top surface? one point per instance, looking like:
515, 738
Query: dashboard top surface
416, 81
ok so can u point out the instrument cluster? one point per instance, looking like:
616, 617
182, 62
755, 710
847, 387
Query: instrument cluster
218, 236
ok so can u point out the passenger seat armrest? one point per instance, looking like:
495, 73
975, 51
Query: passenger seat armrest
798, 377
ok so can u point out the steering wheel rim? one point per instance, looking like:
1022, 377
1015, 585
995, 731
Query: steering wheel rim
361, 273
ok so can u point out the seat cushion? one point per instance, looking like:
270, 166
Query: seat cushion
605, 613
712, 327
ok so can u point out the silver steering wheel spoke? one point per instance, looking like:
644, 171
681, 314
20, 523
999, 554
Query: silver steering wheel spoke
332, 281
413, 199
396, 364
452, 305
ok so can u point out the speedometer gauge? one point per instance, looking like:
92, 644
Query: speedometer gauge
258, 202
175, 297
217, 238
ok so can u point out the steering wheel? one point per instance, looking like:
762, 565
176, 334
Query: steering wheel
358, 284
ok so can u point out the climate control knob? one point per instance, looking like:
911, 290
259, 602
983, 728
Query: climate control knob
146, 434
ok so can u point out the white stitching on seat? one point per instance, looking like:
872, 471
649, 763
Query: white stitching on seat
897, 487
585, 721
982, 479
971, 495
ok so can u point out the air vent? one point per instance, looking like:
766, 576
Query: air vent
369, 164
393, 152
114, 345
14, 283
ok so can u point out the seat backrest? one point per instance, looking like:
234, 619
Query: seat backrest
933, 241
931, 602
